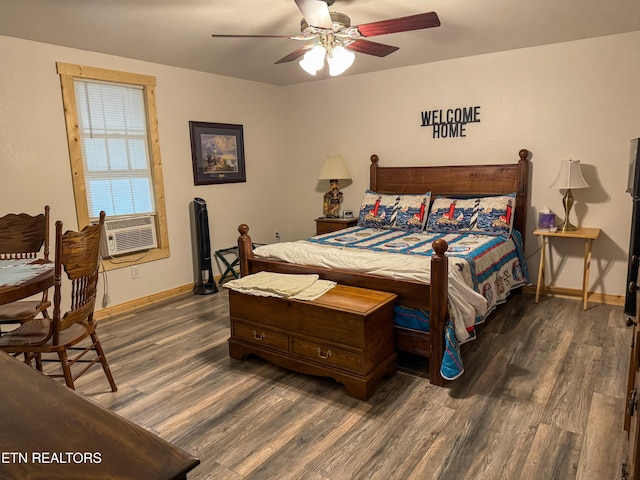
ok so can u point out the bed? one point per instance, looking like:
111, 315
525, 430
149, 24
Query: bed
432, 295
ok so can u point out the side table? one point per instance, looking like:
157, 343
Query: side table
328, 225
589, 235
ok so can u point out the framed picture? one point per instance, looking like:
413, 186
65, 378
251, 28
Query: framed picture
217, 151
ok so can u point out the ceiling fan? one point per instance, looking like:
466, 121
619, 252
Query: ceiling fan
331, 35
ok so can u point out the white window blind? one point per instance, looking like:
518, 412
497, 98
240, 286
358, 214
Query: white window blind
115, 148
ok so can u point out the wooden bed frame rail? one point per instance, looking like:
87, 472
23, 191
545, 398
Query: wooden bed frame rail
457, 180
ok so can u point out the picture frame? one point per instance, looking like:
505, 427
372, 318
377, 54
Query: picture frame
217, 151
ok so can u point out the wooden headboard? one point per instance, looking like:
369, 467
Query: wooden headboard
459, 180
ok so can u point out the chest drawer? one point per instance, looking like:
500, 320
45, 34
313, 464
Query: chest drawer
346, 333
261, 336
343, 315
326, 354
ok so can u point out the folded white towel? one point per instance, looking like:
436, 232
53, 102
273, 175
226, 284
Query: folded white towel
314, 291
282, 285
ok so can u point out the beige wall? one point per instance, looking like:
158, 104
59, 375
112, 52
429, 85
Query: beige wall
574, 100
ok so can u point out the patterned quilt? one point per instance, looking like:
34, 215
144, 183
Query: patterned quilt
483, 269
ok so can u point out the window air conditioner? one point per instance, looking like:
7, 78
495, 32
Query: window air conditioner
126, 235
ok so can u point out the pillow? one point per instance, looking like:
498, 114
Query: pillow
377, 210
411, 213
493, 215
450, 215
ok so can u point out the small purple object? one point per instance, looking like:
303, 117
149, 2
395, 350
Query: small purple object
547, 220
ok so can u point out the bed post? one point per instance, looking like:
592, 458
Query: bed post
438, 310
373, 173
245, 249
521, 193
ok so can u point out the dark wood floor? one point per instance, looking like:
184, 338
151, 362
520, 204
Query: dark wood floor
542, 398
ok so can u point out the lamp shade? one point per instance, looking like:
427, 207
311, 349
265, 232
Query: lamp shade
334, 168
313, 60
570, 176
340, 60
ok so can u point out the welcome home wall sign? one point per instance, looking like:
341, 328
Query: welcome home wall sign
451, 122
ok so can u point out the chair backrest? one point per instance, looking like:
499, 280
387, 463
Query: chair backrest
23, 235
78, 253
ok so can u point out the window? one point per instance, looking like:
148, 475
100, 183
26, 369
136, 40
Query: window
114, 150
114, 142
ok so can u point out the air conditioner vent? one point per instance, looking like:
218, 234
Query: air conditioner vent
127, 235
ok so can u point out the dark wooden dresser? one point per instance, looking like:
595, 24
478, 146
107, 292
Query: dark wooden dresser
631, 467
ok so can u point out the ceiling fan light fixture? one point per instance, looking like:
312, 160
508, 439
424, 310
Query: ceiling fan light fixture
329, 33
339, 60
313, 60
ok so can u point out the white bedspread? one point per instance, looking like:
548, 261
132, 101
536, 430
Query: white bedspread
391, 265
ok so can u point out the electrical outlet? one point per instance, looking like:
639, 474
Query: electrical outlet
134, 272
277, 236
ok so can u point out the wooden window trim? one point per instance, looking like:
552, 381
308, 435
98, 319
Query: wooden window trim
67, 73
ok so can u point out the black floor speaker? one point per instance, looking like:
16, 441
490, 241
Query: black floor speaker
204, 282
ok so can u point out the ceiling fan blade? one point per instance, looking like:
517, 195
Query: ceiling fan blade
297, 53
316, 13
371, 48
251, 36
402, 24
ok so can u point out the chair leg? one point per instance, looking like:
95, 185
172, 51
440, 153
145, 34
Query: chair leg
103, 361
38, 357
66, 369
27, 358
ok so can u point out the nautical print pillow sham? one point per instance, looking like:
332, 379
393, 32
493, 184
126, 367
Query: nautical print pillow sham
492, 215
377, 210
411, 213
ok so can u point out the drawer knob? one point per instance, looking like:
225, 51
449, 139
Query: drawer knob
258, 337
325, 355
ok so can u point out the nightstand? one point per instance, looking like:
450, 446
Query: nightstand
588, 235
328, 225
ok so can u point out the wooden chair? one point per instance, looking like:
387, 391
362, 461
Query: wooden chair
22, 236
79, 254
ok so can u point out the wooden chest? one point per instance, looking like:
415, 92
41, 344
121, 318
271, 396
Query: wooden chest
346, 334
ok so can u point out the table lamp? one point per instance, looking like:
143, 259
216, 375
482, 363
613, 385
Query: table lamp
569, 178
333, 170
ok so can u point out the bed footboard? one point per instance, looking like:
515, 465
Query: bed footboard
411, 294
